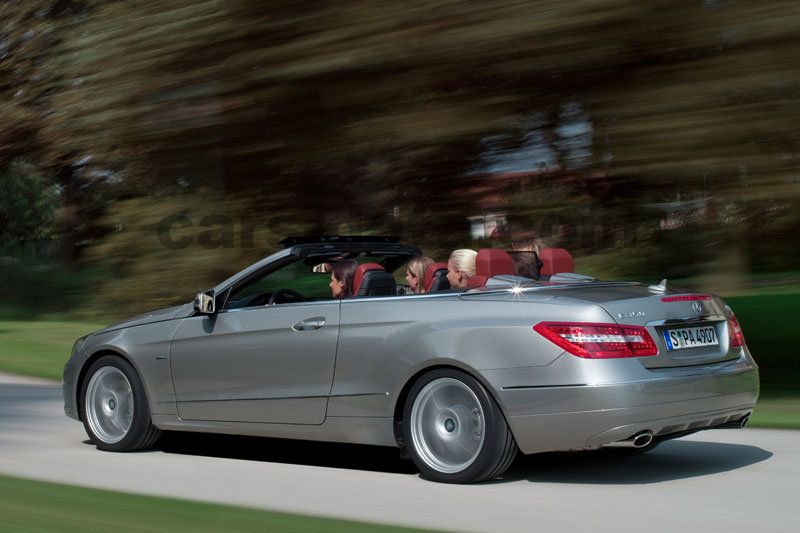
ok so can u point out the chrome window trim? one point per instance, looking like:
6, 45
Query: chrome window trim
397, 297
280, 306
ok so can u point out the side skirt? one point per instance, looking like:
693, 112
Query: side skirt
354, 430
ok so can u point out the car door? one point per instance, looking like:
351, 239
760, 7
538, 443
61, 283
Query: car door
257, 363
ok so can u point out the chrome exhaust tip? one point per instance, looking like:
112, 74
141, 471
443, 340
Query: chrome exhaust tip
640, 440
735, 424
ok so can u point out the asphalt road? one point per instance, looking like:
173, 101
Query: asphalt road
720, 480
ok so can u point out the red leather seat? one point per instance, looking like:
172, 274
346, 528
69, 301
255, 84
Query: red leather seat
476, 281
490, 262
555, 261
435, 278
371, 279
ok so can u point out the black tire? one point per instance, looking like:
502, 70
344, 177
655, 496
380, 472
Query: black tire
141, 434
497, 451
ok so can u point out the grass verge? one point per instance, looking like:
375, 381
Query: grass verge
768, 316
39, 348
768, 319
776, 413
28, 506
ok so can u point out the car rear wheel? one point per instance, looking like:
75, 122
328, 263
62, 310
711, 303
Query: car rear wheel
114, 407
455, 430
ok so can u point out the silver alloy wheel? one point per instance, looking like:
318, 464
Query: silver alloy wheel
109, 404
447, 425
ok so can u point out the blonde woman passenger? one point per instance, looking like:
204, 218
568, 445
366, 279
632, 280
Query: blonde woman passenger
461, 267
415, 273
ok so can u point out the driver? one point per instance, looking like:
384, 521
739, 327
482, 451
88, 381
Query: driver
342, 275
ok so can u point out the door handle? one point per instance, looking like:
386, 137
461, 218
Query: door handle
309, 324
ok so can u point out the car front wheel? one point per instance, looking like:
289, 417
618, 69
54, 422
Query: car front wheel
114, 407
455, 430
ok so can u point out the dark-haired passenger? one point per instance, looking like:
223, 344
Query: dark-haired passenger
525, 255
343, 274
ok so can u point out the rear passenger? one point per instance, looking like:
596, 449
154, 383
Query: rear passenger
525, 254
415, 273
461, 267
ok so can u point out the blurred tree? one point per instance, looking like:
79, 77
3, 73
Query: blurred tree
30, 33
714, 93
27, 204
244, 96
373, 114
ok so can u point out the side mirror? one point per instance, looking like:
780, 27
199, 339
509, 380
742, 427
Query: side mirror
204, 303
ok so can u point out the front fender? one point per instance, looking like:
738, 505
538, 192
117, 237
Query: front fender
147, 349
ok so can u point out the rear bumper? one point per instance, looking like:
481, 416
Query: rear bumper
586, 416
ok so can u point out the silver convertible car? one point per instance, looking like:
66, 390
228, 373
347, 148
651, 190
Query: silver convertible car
460, 380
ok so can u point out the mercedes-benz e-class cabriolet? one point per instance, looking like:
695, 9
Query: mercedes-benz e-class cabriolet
461, 380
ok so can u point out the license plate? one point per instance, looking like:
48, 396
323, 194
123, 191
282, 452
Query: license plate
680, 338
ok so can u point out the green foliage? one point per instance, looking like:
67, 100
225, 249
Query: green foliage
165, 249
326, 101
632, 263
768, 322
372, 115
771, 236
36, 286
28, 201
683, 252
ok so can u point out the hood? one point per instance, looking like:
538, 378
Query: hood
168, 313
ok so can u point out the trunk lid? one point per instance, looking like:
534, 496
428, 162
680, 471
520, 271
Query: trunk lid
690, 330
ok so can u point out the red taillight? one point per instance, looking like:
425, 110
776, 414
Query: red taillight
686, 298
599, 341
735, 335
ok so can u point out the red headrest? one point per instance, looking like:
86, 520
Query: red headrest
555, 261
432, 269
493, 262
360, 271
476, 281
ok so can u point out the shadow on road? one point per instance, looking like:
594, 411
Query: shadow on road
330, 455
672, 460
678, 459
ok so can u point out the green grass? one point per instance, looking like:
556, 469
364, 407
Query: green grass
39, 348
777, 413
36, 506
769, 320
768, 317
